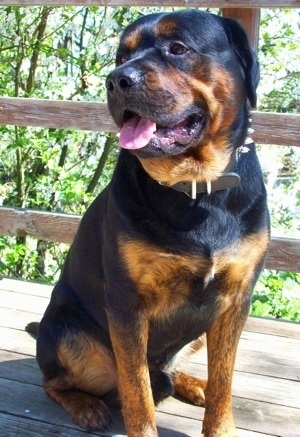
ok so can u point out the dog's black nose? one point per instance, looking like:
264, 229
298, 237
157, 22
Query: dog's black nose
122, 79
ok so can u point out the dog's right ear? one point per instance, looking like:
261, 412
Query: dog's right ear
246, 56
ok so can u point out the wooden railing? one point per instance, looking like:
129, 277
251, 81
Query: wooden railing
270, 128
187, 3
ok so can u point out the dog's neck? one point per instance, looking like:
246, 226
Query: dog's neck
228, 179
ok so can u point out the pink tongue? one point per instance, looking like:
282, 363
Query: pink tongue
136, 133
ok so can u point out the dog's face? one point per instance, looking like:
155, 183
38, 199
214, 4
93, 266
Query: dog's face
181, 84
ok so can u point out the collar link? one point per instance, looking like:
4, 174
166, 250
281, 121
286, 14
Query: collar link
228, 179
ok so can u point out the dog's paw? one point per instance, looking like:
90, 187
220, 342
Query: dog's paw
162, 386
190, 388
225, 427
93, 415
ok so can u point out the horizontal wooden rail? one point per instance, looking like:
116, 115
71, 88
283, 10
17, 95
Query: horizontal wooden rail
269, 128
188, 3
55, 227
276, 128
283, 254
59, 114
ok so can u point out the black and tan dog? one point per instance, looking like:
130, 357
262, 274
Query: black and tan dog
172, 248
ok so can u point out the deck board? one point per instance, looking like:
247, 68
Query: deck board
266, 387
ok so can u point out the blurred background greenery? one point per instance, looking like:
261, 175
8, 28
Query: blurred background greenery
66, 53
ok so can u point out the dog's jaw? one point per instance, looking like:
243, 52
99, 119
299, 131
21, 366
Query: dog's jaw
158, 140
207, 165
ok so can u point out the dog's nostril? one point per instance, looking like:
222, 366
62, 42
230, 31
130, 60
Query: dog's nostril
109, 85
122, 79
127, 81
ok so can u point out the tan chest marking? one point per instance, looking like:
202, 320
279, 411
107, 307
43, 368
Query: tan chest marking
165, 280
241, 259
238, 264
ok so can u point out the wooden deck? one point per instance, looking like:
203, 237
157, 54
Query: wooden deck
266, 382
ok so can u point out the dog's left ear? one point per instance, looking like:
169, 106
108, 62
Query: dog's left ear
246, 57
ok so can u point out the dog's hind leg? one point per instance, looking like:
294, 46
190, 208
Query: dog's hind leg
87, 373
189, 387
87, 411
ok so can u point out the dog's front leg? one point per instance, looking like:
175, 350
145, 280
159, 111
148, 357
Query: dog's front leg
130, 341
222, 342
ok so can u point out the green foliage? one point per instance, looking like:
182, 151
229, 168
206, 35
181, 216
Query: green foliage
66, 53
277, 293
56, 53
25, 260
279, 57
276, 296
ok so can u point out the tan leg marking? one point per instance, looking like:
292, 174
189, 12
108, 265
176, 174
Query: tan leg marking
90, 366
130, 347
87, 412
238, 264
90, 371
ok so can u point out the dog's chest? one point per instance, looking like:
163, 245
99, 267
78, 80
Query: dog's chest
164, 280
167, 281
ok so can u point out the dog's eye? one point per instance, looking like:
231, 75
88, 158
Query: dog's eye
121, 58
177, 48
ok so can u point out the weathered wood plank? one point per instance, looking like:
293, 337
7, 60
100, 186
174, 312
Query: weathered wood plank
278, 338
29, 288
12, 317
269, 128
174, 418
196, 3
267, 418
11, 426
18, 341
275, 128
59, 114
261, 354
269, 344
264, 388
20, 367
23, 369
283, 254
18, 319
44, 225
267, 364
14, 426
265, 355
34, 304
282, 328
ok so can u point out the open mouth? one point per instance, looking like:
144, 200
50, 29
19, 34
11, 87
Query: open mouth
137, 131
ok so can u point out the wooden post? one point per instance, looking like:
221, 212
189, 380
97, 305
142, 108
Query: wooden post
249, 19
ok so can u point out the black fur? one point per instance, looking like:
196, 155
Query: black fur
95, 281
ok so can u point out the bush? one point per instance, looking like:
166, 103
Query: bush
65, 53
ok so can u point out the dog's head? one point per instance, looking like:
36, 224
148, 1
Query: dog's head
180, 91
